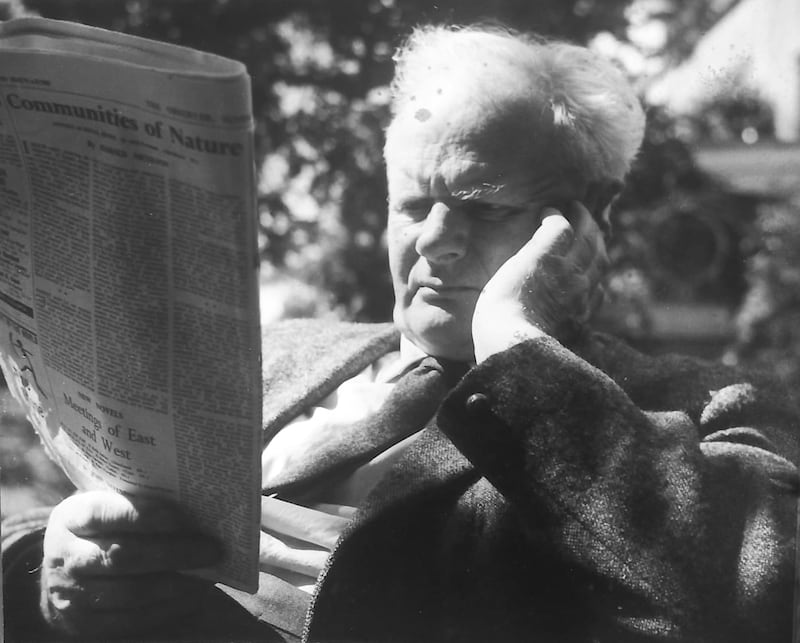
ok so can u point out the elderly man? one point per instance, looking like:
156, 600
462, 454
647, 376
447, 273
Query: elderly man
506, 475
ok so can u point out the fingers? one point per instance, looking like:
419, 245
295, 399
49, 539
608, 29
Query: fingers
127, 592
105, 512
574, 235
587, 254
128, 555
551, 280
567, 280
99, 533
589, 243
112, 561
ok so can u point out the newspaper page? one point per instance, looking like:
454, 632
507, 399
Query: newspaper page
128, 270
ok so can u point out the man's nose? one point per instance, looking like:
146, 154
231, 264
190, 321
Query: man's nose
445, 235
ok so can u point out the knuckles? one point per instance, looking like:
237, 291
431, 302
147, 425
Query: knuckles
78, 557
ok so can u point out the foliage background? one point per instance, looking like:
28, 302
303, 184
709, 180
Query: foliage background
320, 71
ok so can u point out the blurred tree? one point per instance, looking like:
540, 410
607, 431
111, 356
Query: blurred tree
683, 23
768, 322
679, 236
745, 118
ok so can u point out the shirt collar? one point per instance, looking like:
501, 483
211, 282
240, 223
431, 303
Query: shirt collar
410, 356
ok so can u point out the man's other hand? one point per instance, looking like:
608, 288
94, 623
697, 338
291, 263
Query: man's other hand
110, 565
553, 278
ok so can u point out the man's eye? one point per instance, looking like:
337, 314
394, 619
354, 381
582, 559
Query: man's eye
492, 211
417, 208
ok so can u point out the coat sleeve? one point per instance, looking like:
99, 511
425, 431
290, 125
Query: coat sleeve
21, 559
681, 522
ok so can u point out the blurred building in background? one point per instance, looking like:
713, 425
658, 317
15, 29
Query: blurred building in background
736, 101
752, 52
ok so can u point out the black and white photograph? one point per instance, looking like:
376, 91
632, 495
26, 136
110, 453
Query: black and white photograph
348, 321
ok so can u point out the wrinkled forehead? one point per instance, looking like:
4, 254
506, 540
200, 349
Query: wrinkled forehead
486, 136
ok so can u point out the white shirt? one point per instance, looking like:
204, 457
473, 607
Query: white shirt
296, 540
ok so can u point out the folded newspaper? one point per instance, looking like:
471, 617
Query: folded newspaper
128, 287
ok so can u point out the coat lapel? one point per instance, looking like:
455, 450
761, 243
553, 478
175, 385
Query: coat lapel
430, 467
340, 448
431, 461
303, 361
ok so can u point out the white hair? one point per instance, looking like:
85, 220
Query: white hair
590, 109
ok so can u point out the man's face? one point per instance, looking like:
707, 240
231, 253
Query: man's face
463, 198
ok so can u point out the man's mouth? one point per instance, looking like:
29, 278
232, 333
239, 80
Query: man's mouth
438, 287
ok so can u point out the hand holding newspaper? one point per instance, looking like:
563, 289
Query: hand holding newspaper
128, 286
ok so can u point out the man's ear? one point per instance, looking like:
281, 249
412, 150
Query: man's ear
598, 198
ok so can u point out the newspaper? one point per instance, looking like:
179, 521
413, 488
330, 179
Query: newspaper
129, 323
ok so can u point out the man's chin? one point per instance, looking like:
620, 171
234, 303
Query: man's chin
440, 334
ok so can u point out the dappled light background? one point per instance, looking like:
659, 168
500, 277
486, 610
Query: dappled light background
706, 248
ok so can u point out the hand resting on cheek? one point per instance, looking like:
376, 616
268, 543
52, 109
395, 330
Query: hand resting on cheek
555, 277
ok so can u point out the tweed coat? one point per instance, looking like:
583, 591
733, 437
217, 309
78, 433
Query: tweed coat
587, 493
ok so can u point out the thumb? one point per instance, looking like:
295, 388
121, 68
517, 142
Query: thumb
555, 234
553, 237
95, 513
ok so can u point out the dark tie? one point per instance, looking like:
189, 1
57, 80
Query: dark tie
343, 447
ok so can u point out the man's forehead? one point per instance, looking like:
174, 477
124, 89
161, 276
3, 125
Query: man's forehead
500, 171
473, 157
496, 126
450, 168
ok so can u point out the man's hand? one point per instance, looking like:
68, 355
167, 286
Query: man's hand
110, 565
553, 278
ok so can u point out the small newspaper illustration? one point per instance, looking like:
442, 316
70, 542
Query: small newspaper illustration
129, 324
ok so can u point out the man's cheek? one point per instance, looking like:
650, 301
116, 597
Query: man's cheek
401, 247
